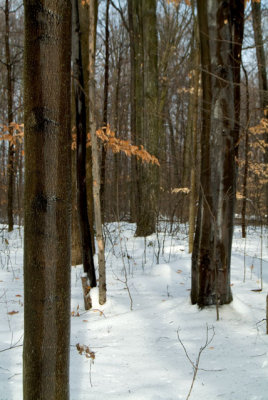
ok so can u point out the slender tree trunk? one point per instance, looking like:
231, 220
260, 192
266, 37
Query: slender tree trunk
262, 75
105, 107
10, 166
81, 138
245, 177
134, 167
76, 246
84, 37
221, 34
194, 167
258, 36
95, 152
47, 74
116, 125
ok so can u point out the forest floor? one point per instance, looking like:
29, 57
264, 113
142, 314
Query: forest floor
140, 337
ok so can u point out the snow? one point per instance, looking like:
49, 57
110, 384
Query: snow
137, 352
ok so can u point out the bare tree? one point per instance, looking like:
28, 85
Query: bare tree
95, 151
221, 33
47, 199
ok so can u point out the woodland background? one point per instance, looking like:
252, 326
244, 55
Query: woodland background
175, 79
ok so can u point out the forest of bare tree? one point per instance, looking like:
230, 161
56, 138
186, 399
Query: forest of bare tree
145, 111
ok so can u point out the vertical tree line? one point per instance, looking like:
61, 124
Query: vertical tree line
47, 62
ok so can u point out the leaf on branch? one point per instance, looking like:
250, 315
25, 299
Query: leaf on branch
117, 145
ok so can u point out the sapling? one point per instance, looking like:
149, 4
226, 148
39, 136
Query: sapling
195, 364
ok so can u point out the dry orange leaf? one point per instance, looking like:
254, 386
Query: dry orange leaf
18, 295
179, 271
12, 312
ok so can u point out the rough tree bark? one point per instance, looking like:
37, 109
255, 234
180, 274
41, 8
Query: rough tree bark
221, 34
47, 74
146, 109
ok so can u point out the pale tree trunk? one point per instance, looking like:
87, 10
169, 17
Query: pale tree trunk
10, 165
47, 233
221, 34
95, 152
245, 177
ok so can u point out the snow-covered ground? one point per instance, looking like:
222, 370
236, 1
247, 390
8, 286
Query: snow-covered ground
138, 355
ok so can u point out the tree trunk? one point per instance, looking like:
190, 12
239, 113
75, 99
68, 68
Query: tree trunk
105, 108
95, 152
221, 34
76, 247
47, 199
134, 184
10, 166
262, 76
147, 119
258, 36
81, 138
194, 167
245, 177
84, 37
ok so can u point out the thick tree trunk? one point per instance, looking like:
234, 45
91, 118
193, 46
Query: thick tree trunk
81, 138
147, 119
221, 33
95, 152
47, 199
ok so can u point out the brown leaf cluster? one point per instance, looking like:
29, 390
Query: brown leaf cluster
84, 350
117, 145
13, 133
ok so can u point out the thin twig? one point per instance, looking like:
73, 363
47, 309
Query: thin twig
196, 364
